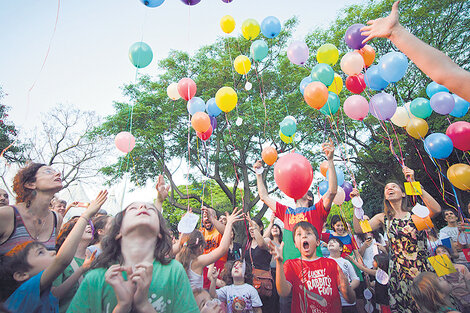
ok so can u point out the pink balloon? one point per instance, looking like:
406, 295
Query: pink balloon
352, 63
293, 174
356, 107
459, 133
187, 88
125, 142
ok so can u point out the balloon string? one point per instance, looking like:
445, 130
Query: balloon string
261, 93
189, 160
133, 166
346, 151
399, 145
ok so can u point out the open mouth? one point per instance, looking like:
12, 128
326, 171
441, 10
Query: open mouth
305, 245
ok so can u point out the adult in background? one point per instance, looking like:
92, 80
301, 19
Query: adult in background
452, 231
4, 198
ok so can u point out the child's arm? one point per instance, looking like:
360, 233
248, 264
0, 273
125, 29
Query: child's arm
212, 275
69, 247
360, 266
283, 286
162, 193
267, 231
348, 293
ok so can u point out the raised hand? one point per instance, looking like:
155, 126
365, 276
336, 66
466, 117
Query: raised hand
89, 258
141, 277
213, 273
96, 204
409, 173
329, 149
258, 164
382, 27
236, 216
208, 213
354, 193
276, 251
123, 289
162, 189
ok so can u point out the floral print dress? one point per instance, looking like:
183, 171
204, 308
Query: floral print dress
408, 257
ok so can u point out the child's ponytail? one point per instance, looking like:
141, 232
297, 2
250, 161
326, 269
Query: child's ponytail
192, 246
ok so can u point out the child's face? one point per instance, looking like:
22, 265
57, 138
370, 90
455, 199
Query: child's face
306, 241
140, 215
237, 270
208, 305
87, 234
39, 258
339, 227
333, 246
442, 251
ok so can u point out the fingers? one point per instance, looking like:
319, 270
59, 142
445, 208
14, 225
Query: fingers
395, 6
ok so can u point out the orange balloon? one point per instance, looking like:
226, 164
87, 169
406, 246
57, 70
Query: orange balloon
459, 176
324, 168
316, 95
201, 122
269, 155
368, 54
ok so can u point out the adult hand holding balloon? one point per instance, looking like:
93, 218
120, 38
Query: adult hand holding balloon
293, 175
353, 37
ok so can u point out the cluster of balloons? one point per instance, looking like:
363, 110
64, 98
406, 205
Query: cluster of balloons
125, 142
459, 176
293, 174
344, 187
140, 54
270, 27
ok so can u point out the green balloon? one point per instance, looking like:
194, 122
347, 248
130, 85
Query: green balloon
323, 73
421, 107
332, 104
259, 50
140, 54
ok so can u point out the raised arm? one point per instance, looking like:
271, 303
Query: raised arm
212, 275
162, 190
256, 234
267, 231
282, 285
428, 200
360, 266
210, 213
434, 63
329, 150
262, 191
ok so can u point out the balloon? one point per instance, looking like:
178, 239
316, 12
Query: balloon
352, 63
316, 95
288, 127
250, 29
196, 104
393, 66
307, 80
459, 133
382, 106
258, 50
324, 168
292, 118
201, 122
297, 52
191, 2
152, 3
206, 135
332, 104
211, 108
459, 176
293, 175
339, 175
421, 107
434, 88
353, 37
460, 108
438, 145
417, 128
323, 187
328, 54
348, 188
285, 138
187, 88
140, 54
269, 155
401, 117
340, 196
368, 54
337, 85
172, 91
407, 107
125, 142
373, 79
227, 24
356, 107
356, 83
442, 102
226, 99
242, 64
270, 27
323, 73
227, 1
213, 122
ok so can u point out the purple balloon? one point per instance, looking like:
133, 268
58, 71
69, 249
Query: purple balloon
191, 2
227, 1
213, 122
442, 103
353, 37
297, 52
347, 187
382, 106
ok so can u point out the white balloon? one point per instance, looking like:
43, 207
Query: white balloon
359, 213
401, 117
172, 91
352, 63
357, 202
340, 196
381, 277
367, 294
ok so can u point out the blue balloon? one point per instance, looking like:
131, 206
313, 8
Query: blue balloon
211, 108
323, 187
434, 88
460, 107
152, 3
270, 27
393, 66
373, 79
288, 127
438, 145
259, 50
332, 104
339, 175
307, 80
196, 104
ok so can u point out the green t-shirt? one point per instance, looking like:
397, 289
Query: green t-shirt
169, 291
65, 301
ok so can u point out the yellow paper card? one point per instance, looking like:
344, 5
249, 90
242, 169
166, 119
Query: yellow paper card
413, 188
442, 265
365, 226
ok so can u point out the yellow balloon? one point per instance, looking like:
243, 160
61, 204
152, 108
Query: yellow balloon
417, 128
285, 138
242, 64
226, 99
337, 85
227, 23
459, 176
250, 29
328, 53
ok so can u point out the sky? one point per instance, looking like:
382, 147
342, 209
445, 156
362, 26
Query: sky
88, 64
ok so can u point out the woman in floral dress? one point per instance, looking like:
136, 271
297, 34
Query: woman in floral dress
407, 245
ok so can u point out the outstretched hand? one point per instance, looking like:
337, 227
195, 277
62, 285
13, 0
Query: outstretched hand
162, 189
381, 27
96, 204
276, 251
258, 164
354, 193
236, 216
409, 173
329, 149
213, 273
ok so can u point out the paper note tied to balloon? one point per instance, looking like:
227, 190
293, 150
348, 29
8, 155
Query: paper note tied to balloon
188, 223
442, 265
422, 223
413, 188
365, 226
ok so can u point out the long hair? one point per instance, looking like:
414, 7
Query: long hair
383, 261
64, 232
112, 247
99, 223
227, 273
25, 175
427, 293
280, 232
388, 210
192, 246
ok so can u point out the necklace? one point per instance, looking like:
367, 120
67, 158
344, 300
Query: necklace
42, 223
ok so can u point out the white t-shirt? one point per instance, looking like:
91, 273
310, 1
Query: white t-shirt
350, 273
370, 251
239, 298
448, 231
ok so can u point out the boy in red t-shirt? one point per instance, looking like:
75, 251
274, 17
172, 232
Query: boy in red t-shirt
315, 281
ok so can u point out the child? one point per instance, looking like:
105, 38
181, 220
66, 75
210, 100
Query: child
191, 257
101, 225
335, 247
206, 303
238, 294
314, 281
134, 273
29, 270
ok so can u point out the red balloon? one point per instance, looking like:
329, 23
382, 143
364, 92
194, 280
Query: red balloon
204, 136
293, 174
187, 88
459, 133
356, 83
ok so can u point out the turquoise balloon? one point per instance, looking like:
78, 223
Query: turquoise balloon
323, 73
421, 107
332, 104
259, 50
460, 108
434, 88
140, 54
288, 127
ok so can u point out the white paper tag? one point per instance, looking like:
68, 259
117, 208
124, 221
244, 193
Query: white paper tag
239, 121
367, 294
381, 277
357, 202
259, 170
359, 213
188, 223
248, 86
420, 210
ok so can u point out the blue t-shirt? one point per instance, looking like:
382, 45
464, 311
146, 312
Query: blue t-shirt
28, 298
